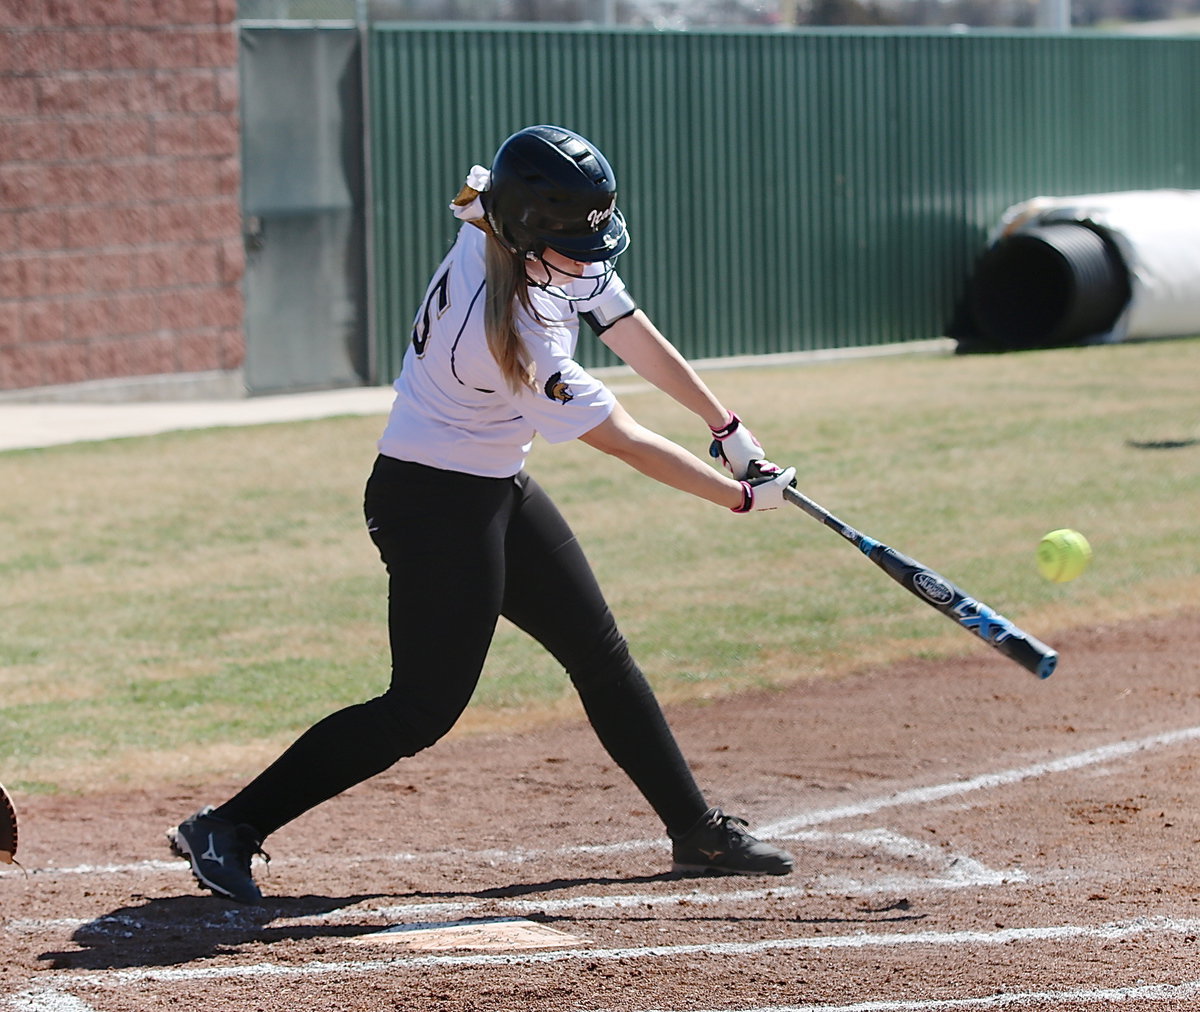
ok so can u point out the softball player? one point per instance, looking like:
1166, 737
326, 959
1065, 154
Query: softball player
467, 535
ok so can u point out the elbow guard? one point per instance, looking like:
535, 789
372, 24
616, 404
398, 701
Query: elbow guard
609, 308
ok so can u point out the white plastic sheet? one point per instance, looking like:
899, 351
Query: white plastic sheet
1157, 233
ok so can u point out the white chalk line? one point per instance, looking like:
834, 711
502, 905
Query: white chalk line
51, 1000
126, 926
923, 795
873, 837
861, 940
1013, 999
47, 999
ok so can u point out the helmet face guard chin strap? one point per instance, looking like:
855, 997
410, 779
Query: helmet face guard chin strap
599, 281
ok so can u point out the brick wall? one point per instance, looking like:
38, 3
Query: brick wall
120, 225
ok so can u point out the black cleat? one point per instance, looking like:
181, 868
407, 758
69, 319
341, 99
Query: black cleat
220, 853
719, 843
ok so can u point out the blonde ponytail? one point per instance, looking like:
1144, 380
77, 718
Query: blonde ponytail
507, 288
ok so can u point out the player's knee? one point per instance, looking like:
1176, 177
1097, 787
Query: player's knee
415, 726
605, 660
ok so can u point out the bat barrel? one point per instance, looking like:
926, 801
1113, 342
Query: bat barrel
940, 594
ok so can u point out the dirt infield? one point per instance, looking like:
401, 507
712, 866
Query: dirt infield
967, 836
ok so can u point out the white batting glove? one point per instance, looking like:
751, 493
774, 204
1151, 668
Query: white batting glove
762, 488
734, 446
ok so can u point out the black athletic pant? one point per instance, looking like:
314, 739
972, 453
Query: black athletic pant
460, 551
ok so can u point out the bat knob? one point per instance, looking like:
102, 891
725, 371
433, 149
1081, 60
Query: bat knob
1047, 665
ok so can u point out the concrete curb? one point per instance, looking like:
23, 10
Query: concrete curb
31, 425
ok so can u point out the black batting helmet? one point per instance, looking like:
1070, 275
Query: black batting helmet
551, 187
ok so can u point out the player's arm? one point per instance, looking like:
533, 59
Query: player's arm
620, 436
640, 345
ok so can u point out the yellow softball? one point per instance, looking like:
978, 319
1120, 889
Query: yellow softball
1063, 555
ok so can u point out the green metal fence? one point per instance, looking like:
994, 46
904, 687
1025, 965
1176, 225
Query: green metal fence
785, 190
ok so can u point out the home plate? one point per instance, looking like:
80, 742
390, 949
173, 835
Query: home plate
492, 933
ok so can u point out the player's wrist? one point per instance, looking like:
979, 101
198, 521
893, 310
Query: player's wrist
745, 498
726, 426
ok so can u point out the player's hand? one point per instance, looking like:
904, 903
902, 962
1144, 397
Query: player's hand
735, 447
762, 488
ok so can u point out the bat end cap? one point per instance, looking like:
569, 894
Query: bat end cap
1047, 665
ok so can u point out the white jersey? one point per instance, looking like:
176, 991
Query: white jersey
453, 408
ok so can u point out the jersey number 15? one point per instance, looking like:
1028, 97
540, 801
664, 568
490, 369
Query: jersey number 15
439, 293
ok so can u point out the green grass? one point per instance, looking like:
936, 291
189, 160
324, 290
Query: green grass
181, 606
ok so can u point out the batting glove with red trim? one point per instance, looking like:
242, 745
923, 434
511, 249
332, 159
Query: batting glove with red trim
762, 488
734, 446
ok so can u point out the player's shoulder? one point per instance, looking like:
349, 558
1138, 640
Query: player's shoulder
469, 247
462, 274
